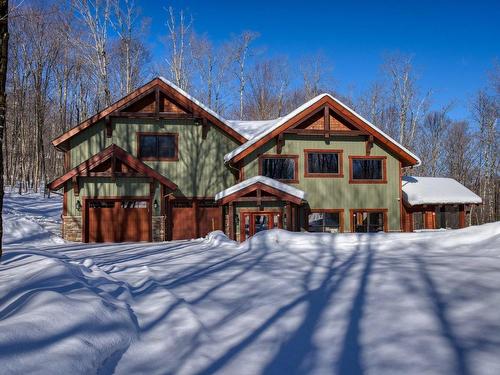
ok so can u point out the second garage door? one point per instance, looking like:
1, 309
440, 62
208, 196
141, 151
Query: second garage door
110, 220
192, 219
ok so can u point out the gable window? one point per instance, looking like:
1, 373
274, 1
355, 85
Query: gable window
279, 167
330, 221
368, 169
157, 146
369, 221
323, 163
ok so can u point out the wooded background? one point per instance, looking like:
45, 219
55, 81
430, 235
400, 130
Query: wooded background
70, 59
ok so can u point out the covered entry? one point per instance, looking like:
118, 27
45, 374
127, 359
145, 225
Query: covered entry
260, 203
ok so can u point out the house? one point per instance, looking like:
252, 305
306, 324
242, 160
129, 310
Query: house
159, 165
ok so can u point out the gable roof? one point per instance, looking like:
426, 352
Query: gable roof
436, 190
261, 182
276, 127
106, 154
192, 104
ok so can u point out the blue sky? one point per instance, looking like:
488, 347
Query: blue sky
454, 43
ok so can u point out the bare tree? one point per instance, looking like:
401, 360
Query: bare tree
4, 44
178, 44
95, 15
315, 71
241, 49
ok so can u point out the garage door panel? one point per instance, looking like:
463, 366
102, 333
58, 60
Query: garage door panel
116, 221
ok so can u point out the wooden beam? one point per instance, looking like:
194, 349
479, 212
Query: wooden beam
322, 132
157, 102
259, 198
253, 199
327, 121
153, 115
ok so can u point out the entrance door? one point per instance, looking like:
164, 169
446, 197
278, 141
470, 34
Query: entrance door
112, 220
258, 221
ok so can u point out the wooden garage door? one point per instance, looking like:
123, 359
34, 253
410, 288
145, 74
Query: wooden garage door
195, 219
118, 220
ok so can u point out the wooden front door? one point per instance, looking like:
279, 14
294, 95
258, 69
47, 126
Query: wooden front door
116, 220
256, 221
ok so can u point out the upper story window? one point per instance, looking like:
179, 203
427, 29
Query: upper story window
279, 167
157, 146
323, 163
368, 169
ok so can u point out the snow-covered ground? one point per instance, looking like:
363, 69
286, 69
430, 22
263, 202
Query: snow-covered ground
280, 303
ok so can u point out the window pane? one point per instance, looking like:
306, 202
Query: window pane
376, 220
279, 168
324, 222
147, 146
367, 169
166, 146
323, 163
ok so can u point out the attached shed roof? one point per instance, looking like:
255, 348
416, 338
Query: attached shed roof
261, 180
436, 190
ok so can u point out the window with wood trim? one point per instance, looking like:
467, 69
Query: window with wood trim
157, 146
367, 169
279, 167
330, 221
323, 163
369, 221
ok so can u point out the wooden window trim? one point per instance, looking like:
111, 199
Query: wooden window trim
308, 151
352, 211
357, 181
340, 211
295, 180
138, 146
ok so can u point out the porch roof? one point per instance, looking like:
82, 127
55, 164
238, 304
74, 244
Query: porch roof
436, 190
270, 185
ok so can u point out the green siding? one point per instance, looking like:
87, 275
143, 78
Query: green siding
200, 170
337, 192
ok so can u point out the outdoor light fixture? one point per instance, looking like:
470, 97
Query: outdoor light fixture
155, 204
78, 205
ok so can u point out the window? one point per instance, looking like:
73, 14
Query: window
282, 168
325, 221
368, 169
323, 163
157, 146
369, 221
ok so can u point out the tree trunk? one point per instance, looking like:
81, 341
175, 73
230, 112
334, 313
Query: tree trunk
4, 35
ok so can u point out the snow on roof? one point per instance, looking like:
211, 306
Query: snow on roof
263, 180
251, 129
436, 190
272, 125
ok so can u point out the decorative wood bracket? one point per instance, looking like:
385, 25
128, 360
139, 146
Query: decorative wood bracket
157, 103
259, 198
205, 127
327, 121
369, 145
280, 142
109, 127
76, 186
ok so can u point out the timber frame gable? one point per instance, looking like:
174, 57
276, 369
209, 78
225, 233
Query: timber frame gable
157, 99
326, 117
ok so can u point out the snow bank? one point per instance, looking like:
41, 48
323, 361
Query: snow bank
279, 303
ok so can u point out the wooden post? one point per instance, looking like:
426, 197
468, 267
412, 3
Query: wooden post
429, 218
289, 216
461, 216
327, 121
442, 216
168, 209
231, 221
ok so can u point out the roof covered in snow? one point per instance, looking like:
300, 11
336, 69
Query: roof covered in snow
263, 180
252, 129
436, 190
272, 125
